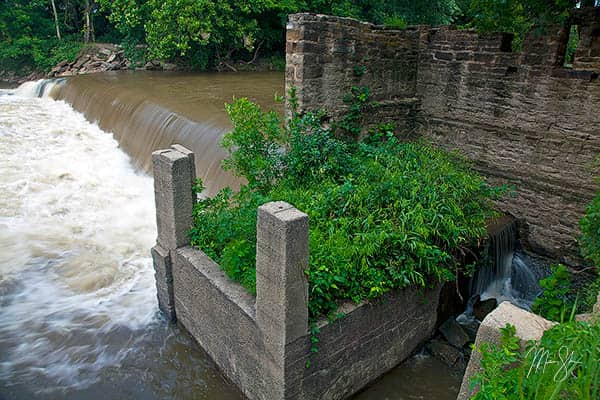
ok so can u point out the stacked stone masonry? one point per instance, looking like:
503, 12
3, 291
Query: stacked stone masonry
262, 343
523, 118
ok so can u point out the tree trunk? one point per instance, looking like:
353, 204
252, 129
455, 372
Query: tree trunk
55, 19
88, 29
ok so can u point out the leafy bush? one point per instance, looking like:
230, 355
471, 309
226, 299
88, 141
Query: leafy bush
563, 365
553, 303
31, 53
383, 214
590, 231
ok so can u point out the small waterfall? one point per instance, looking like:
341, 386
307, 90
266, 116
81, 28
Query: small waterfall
506, 274
490, 280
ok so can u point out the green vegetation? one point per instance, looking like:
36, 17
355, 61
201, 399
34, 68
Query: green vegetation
590, 229
33, 37
563, 365
559, 294
553, 303
516, 16
208, 33
383, 214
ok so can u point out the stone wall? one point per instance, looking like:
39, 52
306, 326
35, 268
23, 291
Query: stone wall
263, 344
521, 117
326, 56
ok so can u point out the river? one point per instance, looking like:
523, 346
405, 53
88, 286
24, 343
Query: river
78, 312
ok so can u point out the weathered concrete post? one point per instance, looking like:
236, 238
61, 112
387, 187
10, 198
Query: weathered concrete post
174, 174
281, 284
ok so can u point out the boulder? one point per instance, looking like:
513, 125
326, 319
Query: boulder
169, 67
104, 51
454, 333
80, 61
528, 327
444, 352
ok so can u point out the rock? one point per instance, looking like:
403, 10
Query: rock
482, 308
528, 327
444, 352
596, 309
111, 58
454, 333
82, 60
584, 317
105, 51
95, 64
169, 67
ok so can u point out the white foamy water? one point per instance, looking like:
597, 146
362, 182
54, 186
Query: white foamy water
76, 225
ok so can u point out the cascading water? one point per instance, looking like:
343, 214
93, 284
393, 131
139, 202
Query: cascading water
77, 293
506, 274
150, 111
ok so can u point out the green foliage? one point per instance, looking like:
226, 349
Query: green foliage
383, 214
553, 303
395, 21
572, 45
358, 105
496, 363
201, 31
563, 365
254, 144
433, 12
590, 231
516, 16
30, 53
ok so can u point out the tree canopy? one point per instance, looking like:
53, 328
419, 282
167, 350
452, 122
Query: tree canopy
201, 33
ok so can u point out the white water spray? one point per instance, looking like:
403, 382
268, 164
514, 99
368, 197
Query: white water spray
76, 223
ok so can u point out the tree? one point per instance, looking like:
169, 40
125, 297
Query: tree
55, 19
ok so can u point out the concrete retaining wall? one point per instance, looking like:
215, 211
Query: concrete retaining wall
521, 117
262, 344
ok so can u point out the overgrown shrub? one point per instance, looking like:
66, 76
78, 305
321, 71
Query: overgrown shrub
590, 231
553, 303
563, 365
383, 214
27, 54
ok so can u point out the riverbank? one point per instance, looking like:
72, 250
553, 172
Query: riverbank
103, 57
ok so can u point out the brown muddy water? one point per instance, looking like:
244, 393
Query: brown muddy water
7, 85
78, 312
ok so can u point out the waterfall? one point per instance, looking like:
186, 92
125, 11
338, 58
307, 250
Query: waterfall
150, 111
506, 274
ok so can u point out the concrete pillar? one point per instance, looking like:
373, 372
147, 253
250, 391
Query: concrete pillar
174, 175
281, 284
